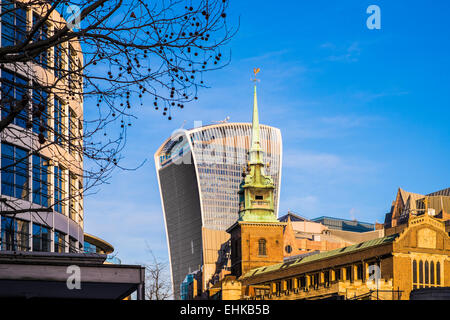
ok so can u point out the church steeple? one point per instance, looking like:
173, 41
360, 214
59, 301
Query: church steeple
257, 236
255, 148
256, 191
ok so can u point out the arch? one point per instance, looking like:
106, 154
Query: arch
427, 273
421, 273
438, 273
414, 272
432, 273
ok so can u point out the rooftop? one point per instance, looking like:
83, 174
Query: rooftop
340, 219
321, 256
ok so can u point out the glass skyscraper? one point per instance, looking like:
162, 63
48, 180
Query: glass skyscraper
199, 172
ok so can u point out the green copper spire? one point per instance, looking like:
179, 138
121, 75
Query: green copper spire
256, 190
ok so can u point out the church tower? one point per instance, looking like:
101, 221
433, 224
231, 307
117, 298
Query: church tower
257, 236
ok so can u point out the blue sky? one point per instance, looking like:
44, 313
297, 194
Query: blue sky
362, 112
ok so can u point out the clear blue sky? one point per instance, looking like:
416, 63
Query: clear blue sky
362, 112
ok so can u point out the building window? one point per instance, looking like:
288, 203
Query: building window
41, 34
13, 90
41, 180
316, 281
288, 249
359, 272
421, 273
72, 67
59, 192
41, 238
348, 273
80, 203
301, 282
57, 58
262, 250
89, 248
432, 272
14, 171
289, 284
73, 245
327, 277
72, 131
415, 274
426, 274
438, 273
72, 196
337, 274
40, 110
60, 242
58, 121
278, 287
14, 234
14, 23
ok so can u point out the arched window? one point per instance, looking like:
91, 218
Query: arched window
262, 247
438, 273
421, 273
432, 272
415, 274
427, 273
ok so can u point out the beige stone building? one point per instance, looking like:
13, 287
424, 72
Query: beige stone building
418, 257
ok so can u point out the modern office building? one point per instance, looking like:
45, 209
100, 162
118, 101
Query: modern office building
41, 202
41, 162
199, 172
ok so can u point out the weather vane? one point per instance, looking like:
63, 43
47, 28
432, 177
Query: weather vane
256, 71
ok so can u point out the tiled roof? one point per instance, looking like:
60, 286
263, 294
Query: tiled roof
321, 256
412, 197
444, 192
293, 216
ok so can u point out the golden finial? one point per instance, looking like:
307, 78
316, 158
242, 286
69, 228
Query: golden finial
256, 71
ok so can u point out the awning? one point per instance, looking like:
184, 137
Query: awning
45, 275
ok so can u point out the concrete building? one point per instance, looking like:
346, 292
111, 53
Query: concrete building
199, 172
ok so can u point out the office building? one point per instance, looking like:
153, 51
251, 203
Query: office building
41, 202
199, 172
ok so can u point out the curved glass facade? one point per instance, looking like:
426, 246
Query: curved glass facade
199, 173
220, 154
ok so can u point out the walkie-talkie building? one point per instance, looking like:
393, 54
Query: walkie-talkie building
199, 172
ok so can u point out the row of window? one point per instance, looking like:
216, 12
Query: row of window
426, 274
15, 236
15, 176
314, 280
13, 92
14, 31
